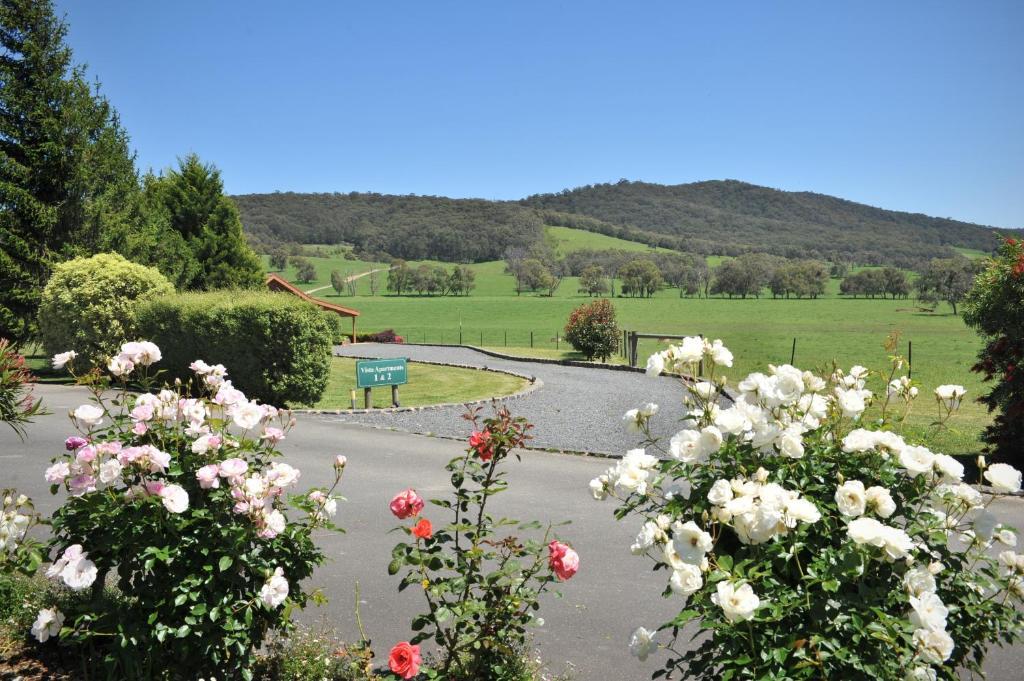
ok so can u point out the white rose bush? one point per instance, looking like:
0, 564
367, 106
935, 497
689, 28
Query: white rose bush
800, 544
177, 496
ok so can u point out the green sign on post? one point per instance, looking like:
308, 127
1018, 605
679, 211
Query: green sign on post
374, 373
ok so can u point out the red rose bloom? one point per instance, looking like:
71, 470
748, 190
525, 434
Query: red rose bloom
562, 560
423, 529
405, 660
481, 443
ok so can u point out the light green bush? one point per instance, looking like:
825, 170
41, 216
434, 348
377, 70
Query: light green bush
277, 347
88, 305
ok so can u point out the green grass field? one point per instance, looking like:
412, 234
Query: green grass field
428, 384
759, 331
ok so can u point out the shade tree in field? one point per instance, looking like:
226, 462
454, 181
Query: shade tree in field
640, 278
279, 259
593, 281
461, 281
337, 281
745, 275
946, 280
686, 271
305, 272
799, 278
400, 277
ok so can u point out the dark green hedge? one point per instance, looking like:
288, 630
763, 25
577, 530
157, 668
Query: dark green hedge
276, 347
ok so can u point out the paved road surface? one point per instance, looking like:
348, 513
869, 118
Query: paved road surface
612, 594
577, 408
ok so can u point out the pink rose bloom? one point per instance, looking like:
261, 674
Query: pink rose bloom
154, 487
140, 428
105, 448
406, 504
81, 484
158, 460
74, 442
86, 455
129, 455
57, 472
142, 412
562, 560
207, 476
405, 660
272, 435
233, 468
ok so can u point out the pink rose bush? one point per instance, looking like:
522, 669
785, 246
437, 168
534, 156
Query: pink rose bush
482, 584
806, 543
176, 494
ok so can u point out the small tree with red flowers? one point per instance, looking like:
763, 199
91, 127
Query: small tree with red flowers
995, 307
593, 331
481, 581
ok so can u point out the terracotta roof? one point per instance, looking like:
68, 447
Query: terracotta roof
276, 282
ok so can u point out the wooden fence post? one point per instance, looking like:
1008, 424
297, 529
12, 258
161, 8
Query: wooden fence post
367, 401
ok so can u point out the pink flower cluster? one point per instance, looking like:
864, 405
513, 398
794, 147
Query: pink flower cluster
254, 494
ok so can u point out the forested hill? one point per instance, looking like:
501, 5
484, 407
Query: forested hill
410, 227
711, 218
728, 217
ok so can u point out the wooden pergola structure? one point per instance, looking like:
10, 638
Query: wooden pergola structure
277, 283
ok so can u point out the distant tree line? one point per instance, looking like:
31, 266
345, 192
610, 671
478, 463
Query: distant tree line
430, 279
874, 283
381, 226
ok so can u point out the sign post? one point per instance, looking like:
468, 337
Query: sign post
374, 373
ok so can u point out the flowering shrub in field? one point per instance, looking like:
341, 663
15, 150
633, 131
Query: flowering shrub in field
176, 493
482, 584
807, 545
593, 331
995, 307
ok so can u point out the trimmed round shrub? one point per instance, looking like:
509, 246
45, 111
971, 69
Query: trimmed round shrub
88, 305
592, 329
277, 346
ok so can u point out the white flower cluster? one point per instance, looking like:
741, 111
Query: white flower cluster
758, 511
275, 589
135, 353
684, 358
780, 414
14, 522
74, 567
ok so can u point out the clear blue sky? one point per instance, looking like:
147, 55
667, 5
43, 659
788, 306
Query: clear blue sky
908, 105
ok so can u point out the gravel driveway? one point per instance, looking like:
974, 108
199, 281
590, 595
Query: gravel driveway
576, 409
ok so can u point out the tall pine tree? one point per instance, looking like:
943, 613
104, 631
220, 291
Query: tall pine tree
197, 211
66, 174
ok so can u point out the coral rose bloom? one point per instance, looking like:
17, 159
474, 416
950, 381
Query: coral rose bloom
562, 560
423, 529
405, 660
406, 504
481, 442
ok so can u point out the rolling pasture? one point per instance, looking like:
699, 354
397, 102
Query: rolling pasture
759, 331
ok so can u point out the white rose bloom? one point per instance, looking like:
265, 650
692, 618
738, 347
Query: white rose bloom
247, 415
110, 470
791, 444
866, 531
928, 612
739, 505
897, 543
720, 354
737, 604
141, 352
120, 366
685, 446
920, 674
690, 542
851, 498
888, 442
275, 521
919, 581
950, 395
79, 573
789, 383
704, 390
917, 460
47, 624
686, 579
649, 533
282, 474
851, 403
859, 440
690, 351
275, 590
984, 523
880, 499
951, 469
732, 421
655, 364
1006, 537
88, 414
174, 498
642, 644
710, 440
62, 358
801, 510
1003, 477
812, 383
935, 647
631, 419
599, 487
720, 492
